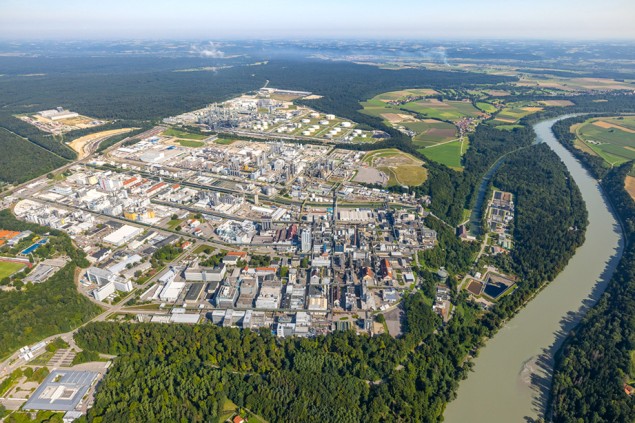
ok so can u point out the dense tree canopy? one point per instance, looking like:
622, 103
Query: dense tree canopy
596, 359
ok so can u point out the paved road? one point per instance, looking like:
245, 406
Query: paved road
14, 361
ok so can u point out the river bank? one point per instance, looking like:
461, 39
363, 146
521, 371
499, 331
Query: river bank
513, 372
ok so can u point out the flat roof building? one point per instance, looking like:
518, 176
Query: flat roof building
122, 235
61, 390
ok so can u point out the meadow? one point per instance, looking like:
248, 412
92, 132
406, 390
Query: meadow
448, 154
512, 113
190, 143
431, 132
177, 133
613, 139
443, 110
401, 168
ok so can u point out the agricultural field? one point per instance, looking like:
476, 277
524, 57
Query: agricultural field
428, 131
443, 110
513, 112
7, 268
629, 185
398, 95
177, 133
378, 108
556, 103
431, 132
486, 107
575, 84
449, 153
613, 138
401, 168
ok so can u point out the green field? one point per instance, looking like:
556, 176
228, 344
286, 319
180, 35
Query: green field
514, 112
173, 223
191, 143
401, 168
431, 132
448, 154
375, 107
614, 140
486, 107
398, 95
443, 110
7, 269
224, 141
172, 132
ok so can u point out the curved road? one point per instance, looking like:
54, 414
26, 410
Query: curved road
512, 374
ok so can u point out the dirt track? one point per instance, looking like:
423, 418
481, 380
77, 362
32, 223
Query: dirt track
87, 144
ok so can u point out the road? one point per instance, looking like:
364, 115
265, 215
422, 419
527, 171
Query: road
86, 159
14, 361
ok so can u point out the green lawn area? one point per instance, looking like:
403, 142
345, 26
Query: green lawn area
614, 141
224, 141
191, 143
40, 417
174, 223
173, 132
401, 168
448, 154
7, 269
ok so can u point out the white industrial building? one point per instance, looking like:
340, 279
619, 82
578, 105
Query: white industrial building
171, 291
270, 295
122, 235
57, 114
107, 283
205, 274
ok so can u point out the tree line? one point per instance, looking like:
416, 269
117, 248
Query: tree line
595, 362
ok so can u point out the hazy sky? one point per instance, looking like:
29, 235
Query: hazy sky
237, 19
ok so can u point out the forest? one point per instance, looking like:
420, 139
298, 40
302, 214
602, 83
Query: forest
22, 161
454, 191
138, 91
41, 310
549, 223
341, 376
33, 134
595, 362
